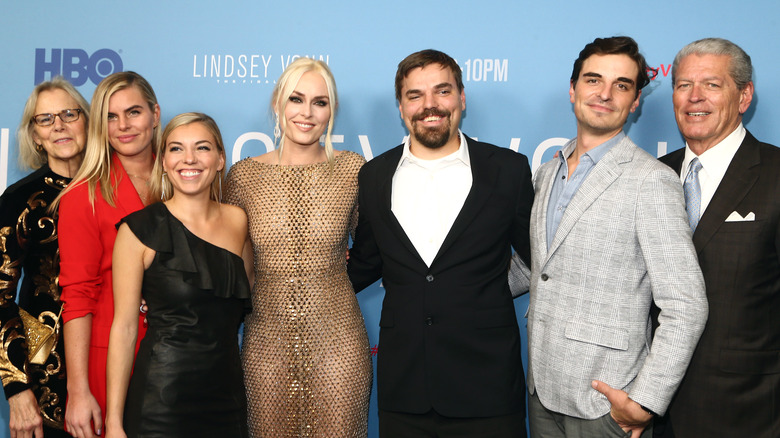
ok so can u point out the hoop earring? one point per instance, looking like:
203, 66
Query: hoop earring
277, 130
162, 186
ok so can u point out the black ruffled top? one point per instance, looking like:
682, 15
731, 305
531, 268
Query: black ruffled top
187, 379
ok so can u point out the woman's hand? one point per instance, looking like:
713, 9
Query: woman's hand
25, 419
81, 413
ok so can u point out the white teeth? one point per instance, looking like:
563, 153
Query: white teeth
431, 118
304, 125
698, 114
186, 173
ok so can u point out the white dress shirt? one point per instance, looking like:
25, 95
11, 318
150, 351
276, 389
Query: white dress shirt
714, 161
428, 195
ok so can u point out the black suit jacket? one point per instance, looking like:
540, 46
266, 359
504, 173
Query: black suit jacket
732, 386
448, 336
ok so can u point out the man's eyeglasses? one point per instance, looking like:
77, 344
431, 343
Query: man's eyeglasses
67, 116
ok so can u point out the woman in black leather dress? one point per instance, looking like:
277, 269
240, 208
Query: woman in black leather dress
184, 256
52, 136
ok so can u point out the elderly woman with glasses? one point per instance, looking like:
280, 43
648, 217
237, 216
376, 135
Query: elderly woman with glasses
52, 136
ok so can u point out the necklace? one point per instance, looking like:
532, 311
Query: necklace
139, 177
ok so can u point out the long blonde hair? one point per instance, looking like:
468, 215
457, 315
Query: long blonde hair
31, 156
96, 167
284, 88
160, 185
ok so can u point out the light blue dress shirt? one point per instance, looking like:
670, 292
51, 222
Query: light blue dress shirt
563, 191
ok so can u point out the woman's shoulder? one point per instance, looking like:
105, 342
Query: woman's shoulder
151, 214
18, 192
233, 214
240, 169
152, 225
349, 159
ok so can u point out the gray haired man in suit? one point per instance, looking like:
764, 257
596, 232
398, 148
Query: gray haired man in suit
732, 387
609, 236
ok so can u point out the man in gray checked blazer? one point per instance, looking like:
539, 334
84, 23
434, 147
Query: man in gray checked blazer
609, 236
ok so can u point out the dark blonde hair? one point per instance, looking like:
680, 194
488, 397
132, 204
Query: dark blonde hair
96, 167
159, 183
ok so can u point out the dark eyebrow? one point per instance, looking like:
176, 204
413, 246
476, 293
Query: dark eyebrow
619, 79
298, 93
441, 86
134, 107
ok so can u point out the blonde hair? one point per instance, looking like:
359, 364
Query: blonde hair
159, 184
284, 88
96, 167
31, 155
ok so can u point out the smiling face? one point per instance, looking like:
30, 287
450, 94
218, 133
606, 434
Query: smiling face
192, 159
605, 94
62, 141
131, 122
431, 107
307, 111
708, 105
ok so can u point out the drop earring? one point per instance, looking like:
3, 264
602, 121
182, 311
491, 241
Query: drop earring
219, 176
277, 131
162, 186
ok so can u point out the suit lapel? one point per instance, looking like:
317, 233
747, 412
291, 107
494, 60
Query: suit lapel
606, 171
385, 202
740, 177
127, 199
675, 160
546, 179
484, 175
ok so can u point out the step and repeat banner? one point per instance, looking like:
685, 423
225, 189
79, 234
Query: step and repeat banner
223, 58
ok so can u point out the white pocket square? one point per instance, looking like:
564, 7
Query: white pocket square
735, 217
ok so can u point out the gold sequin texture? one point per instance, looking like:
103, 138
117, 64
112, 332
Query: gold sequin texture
306, 358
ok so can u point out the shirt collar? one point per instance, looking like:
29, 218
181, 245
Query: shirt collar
596, 153
715, 160
462, 154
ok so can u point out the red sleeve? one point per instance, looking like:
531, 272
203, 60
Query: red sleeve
80, 254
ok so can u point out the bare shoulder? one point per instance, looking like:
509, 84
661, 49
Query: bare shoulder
233, 215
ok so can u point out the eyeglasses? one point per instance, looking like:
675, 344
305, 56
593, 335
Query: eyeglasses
67, 116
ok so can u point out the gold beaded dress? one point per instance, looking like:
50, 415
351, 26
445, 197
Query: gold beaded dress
307, 363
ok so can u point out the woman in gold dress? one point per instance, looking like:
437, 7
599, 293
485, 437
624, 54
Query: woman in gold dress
306, 357
52, 137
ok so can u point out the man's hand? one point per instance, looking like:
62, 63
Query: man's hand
628, 414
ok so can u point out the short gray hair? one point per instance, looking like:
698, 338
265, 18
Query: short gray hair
741, 68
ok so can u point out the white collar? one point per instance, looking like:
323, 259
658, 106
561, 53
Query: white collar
715, 160
462, 154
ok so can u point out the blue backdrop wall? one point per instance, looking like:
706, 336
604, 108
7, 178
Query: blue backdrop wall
222, 58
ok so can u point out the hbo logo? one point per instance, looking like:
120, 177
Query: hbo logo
76, 65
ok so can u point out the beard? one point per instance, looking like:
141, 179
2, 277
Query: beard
432, 138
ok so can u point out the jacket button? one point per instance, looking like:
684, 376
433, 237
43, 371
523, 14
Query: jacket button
429, 321
429, 277
545, 277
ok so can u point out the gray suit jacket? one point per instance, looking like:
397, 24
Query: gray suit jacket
623, 242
